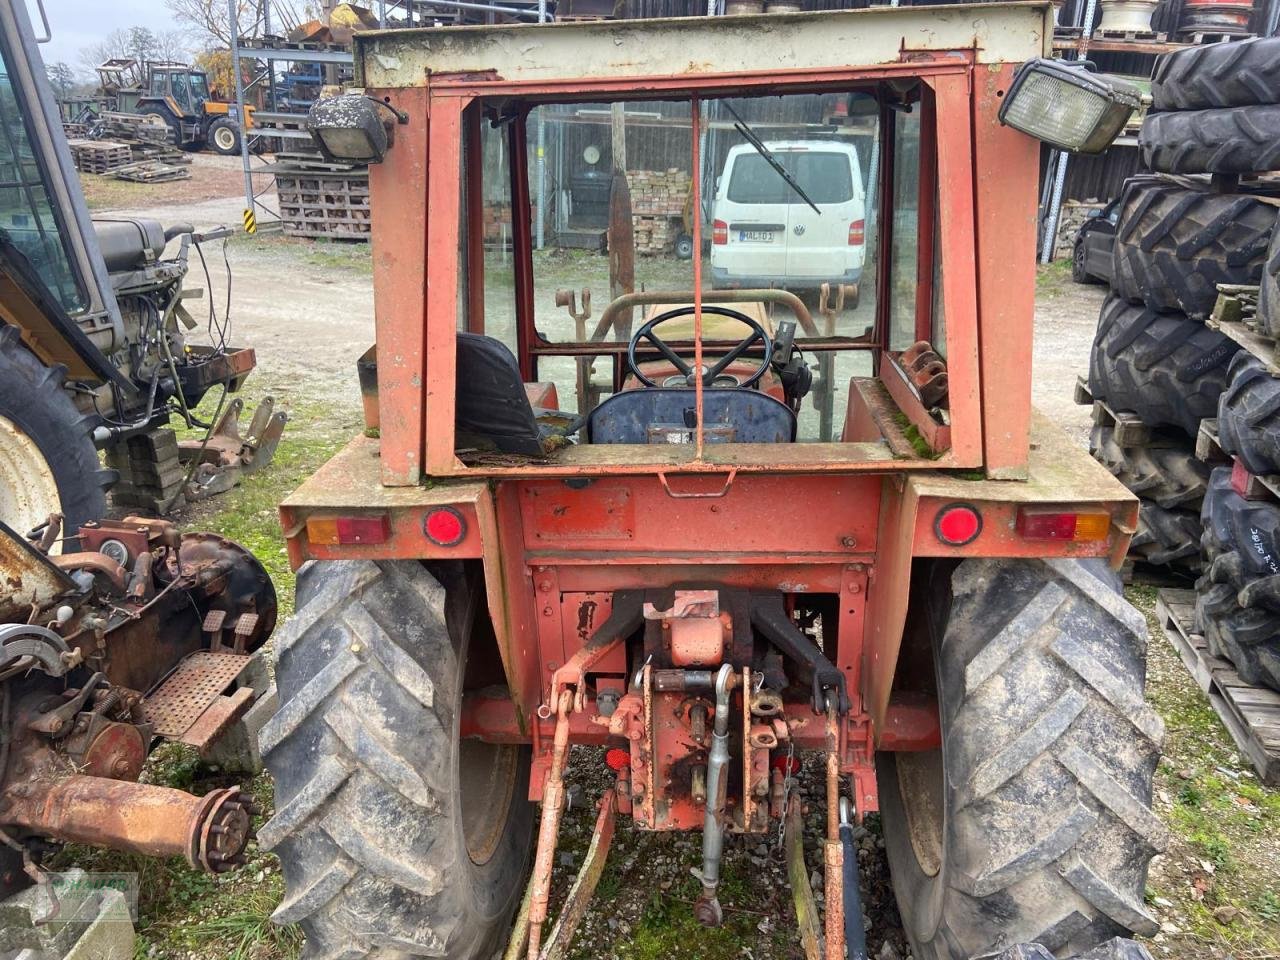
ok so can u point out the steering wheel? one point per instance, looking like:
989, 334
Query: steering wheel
646, 332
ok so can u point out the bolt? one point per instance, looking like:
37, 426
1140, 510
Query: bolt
546, 611
121, 767
357, 647
848, 542
544, 586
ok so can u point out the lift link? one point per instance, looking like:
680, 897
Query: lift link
833, 849
549, 829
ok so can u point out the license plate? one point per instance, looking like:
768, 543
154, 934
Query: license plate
755, 236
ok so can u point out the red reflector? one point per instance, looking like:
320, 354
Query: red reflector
857, 233
958, 524
616, 759
333, 531
719, 233
1059, 525
445, 527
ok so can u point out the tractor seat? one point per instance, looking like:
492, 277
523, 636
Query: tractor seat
492, 406
667, 415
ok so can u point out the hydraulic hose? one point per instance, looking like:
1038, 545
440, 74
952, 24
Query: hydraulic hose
855, 935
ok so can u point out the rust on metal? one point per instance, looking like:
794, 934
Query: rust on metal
584, 885
549, 828
194, 686
210, 832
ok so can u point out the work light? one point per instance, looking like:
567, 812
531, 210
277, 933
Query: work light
1068, 106
348, 128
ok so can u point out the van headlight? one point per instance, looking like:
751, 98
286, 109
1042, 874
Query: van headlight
1068, 106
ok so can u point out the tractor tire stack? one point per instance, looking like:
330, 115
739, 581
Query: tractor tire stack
1183, 231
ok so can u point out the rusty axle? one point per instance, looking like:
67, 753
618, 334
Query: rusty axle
210, 832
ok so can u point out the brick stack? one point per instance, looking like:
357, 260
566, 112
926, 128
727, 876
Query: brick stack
658, 199
150, 472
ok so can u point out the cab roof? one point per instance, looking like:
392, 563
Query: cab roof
620, 49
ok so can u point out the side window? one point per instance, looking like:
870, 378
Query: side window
904, 250
28, 218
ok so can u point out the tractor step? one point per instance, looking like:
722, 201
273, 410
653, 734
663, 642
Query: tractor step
1250, 714
189, 705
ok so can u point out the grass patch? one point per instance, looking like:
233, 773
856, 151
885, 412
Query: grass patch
1054, 278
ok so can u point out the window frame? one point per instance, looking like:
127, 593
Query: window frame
947, 85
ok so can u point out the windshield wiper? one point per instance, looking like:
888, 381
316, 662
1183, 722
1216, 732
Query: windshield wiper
749, 135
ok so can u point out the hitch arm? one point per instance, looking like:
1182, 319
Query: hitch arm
769, 616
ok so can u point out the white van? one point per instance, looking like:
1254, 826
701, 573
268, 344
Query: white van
764, 234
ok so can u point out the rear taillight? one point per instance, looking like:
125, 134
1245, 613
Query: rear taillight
857, 233
719, 233
1062, 525
335, 531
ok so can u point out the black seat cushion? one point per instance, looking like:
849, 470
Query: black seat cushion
667, 415
491, 401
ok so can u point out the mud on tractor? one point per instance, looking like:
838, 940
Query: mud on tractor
639, 534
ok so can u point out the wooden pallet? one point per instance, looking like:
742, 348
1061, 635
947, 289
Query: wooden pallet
151, 171
1198, 37
325, 204
1250, 714
1251, 486
1130, 430
99, 156
1131, 36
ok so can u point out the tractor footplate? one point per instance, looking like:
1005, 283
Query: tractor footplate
189, 705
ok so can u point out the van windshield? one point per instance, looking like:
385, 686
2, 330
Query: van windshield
826, 177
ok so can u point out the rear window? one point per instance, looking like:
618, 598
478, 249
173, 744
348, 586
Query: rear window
825, 176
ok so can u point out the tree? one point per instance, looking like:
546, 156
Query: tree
206, 20
61, 77
141, 44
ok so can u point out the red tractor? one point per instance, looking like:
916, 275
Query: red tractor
645, 533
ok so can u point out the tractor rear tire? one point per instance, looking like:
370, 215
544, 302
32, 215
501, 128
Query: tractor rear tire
48, 462
1237, 141
1175, 244
1171, 476
1269, 295
1166, 369
1218, 75
1033, 822
396, 837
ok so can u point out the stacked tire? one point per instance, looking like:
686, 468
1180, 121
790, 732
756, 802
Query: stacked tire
1216, 112
1238, 598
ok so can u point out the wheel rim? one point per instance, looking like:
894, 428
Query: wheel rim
28, 489
487, 775
224, 138
920, 780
